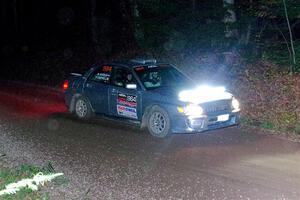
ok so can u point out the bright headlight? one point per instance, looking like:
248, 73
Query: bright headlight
235, 104
203, 94
191, 110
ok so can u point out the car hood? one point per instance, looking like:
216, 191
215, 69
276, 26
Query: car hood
168, 91
196, 95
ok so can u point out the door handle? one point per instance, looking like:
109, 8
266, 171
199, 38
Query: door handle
114, 92
89, 85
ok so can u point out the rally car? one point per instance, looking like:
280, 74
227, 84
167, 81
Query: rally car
156, 96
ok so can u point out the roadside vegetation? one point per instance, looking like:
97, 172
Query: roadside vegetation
270, 97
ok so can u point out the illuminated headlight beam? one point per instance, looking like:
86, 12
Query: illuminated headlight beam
204, 94
235, 105
191, 110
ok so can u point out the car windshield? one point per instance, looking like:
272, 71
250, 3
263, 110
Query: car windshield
161, 76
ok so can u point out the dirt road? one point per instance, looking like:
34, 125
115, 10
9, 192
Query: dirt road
105, 160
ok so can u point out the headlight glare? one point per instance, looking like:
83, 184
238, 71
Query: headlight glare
235, 104
191, 110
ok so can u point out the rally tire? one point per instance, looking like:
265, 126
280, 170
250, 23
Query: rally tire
82, 108
158, 122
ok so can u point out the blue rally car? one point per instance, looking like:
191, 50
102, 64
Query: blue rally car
154, 95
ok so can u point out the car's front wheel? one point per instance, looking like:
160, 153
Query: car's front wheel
158, 122
82, 108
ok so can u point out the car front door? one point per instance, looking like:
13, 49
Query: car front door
96, 88
124, 102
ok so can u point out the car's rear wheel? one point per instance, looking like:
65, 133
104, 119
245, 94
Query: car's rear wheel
83, 109
158, 122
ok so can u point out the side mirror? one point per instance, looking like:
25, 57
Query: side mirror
131, 86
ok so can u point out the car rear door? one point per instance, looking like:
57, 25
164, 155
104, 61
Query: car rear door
96, 88
124, 102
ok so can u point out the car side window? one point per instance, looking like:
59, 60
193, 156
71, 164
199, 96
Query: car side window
102, 74
152, 79
122, 77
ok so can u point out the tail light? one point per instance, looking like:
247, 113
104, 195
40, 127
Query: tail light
65, 85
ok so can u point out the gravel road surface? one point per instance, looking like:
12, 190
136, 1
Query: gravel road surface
106, 160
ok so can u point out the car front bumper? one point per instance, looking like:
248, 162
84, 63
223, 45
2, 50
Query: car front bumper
185, 124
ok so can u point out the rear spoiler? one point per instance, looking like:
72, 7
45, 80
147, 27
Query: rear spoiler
71, 80
75, 74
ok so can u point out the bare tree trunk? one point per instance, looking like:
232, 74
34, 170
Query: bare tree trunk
248, 34
249, 28
229, 18
230, 32
128, 28
93, 23
21, 20
193, 3
3, 13
285, 40
15, 16
291, 37
138, 32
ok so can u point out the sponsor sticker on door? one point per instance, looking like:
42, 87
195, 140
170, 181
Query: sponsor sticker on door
126, 105
127, 111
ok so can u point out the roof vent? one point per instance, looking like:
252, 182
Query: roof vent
144, 61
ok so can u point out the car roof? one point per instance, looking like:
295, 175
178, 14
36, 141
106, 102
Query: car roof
136, 63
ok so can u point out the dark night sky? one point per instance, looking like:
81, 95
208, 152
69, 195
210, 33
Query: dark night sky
62, 23
43, 36
43, 40
45, 24
38, 20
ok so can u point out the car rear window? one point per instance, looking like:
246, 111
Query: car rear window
102, 74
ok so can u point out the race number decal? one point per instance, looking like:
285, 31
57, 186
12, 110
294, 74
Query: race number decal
127, 100
126, 105
106, 68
